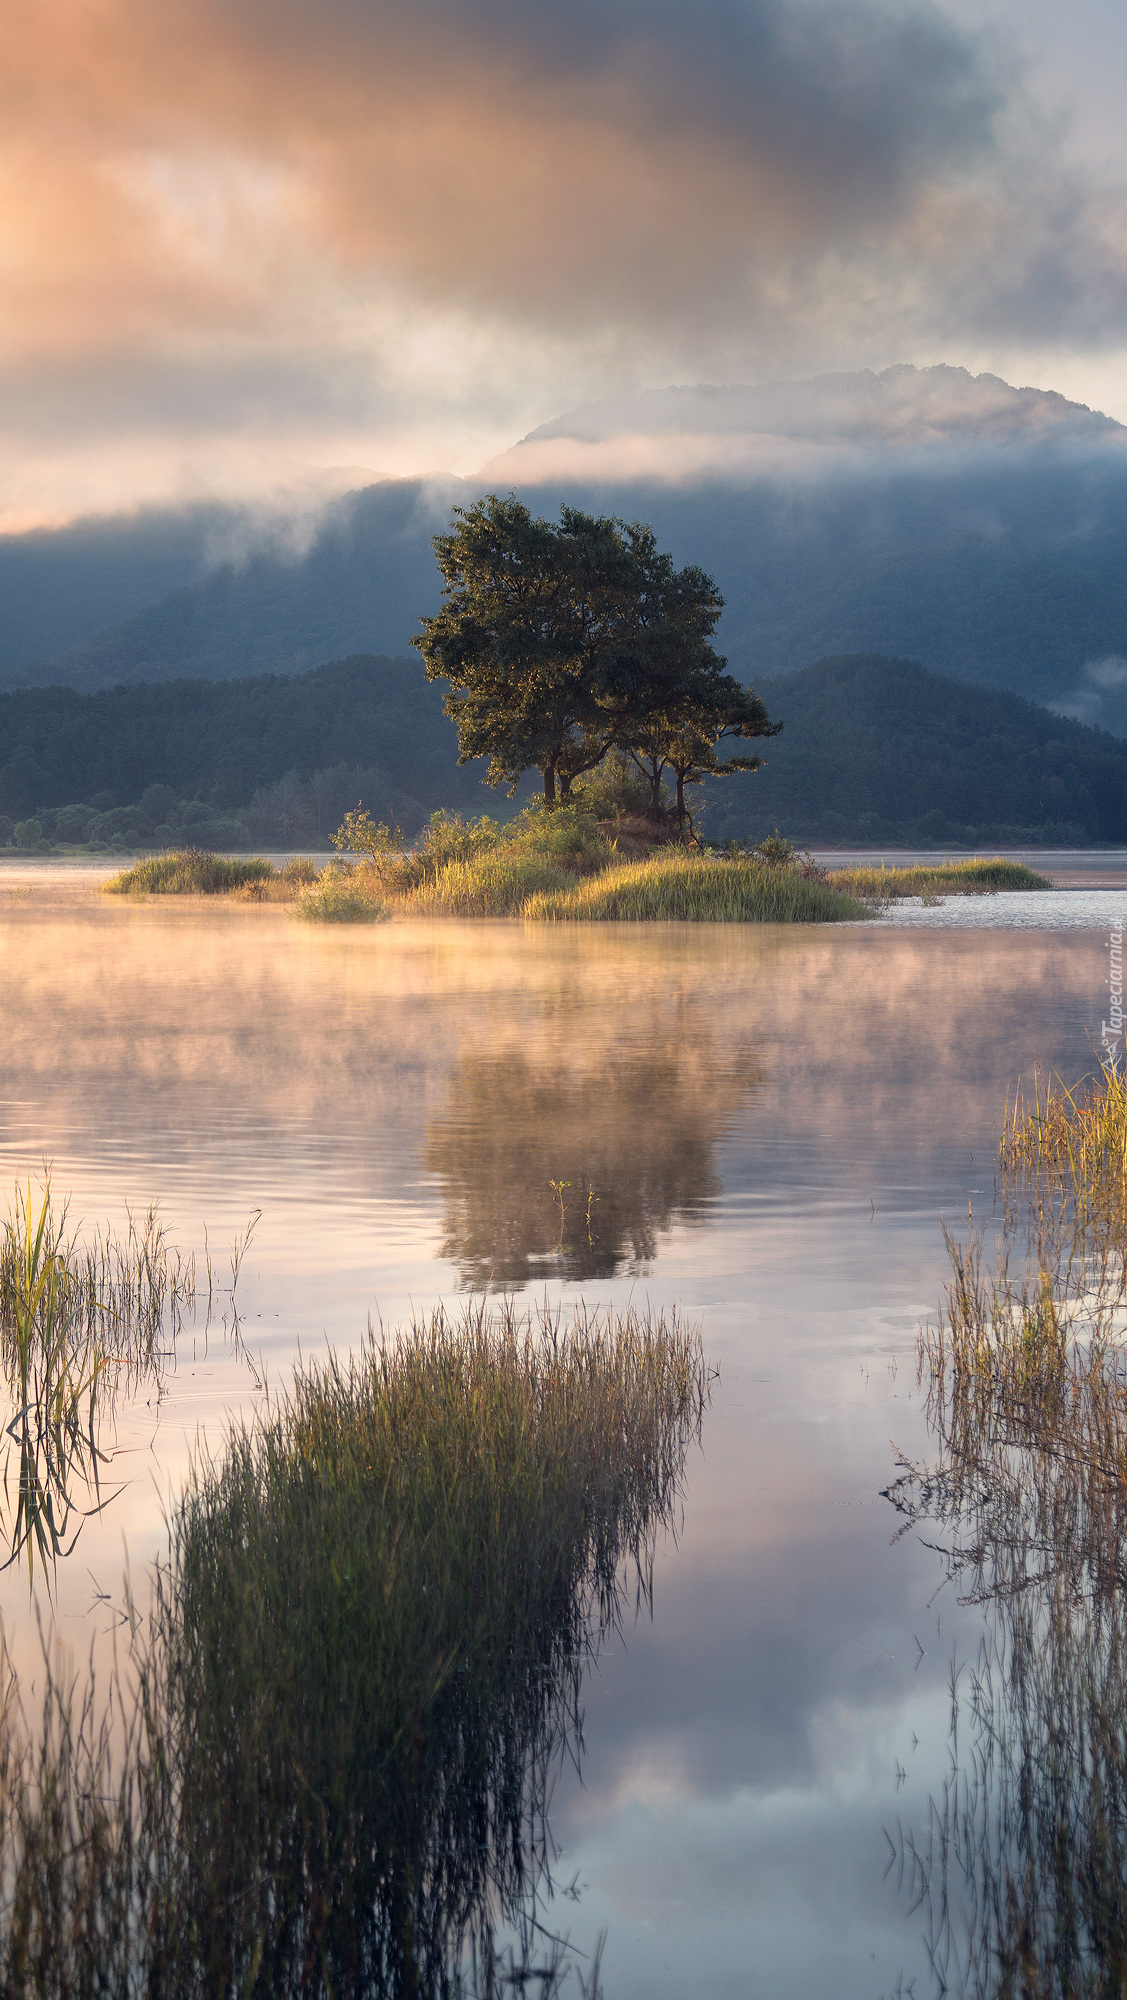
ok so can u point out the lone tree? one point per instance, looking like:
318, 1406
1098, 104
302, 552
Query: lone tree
563, 642
532, 617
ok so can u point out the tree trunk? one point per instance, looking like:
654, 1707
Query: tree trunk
654, 776
681, 801
549, 784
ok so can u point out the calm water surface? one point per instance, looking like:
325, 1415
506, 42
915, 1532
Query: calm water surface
772, 1123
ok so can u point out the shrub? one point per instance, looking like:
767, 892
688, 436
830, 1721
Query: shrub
338, 898
776, 851
615, 789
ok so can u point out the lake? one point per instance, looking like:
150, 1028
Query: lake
770, 1124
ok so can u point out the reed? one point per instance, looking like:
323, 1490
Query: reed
188, 871
76, 1323
364, 1661
977, 877
1023, 1865
689, 888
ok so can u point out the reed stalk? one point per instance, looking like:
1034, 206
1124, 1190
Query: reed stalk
76, 1322
1022, 1864
362, 1667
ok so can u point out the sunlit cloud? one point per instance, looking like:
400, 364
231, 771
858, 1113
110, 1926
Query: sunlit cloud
239, 234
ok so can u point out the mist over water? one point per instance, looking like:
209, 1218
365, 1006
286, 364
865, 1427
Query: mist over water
770, 1124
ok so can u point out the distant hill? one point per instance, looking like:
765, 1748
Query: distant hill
872, 749
927, 513
223, 741
878, 750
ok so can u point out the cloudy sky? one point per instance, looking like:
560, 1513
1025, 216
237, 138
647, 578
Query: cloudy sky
243, 238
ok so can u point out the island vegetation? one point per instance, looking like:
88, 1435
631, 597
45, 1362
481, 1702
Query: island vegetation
562, 864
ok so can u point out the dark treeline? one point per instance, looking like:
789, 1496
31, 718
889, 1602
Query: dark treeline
297, 747
871, 750
878, 750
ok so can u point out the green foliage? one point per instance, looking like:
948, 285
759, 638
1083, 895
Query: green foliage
189, 871
560, 644
775, 851
359, 833
615, 789
365, 1661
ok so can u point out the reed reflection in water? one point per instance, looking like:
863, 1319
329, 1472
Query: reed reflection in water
364, 1663
1022, 1867
558, 1162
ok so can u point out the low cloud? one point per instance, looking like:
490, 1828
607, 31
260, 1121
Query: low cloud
244, 228
1099, 696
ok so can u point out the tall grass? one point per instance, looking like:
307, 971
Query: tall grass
340, 897
75, 1322
363, 1664
684, 888
1024, 1863
189, 871
975, 877
498, 884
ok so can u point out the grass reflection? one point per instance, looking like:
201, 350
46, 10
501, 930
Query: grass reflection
77, 1323
1022, 1868
364, 1661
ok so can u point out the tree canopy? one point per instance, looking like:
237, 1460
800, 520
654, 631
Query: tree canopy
564, 642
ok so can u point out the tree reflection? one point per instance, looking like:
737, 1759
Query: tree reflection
574, 1164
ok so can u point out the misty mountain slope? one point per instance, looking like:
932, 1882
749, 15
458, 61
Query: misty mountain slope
876, 749
59, 585
900, 406
358, 587
927, 513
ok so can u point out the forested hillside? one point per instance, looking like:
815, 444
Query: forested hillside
301, 748
872, 749
879, 750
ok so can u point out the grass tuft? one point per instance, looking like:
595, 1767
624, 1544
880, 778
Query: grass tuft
976, 877
188, 871
687, 888
364, 1663
76, 1321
